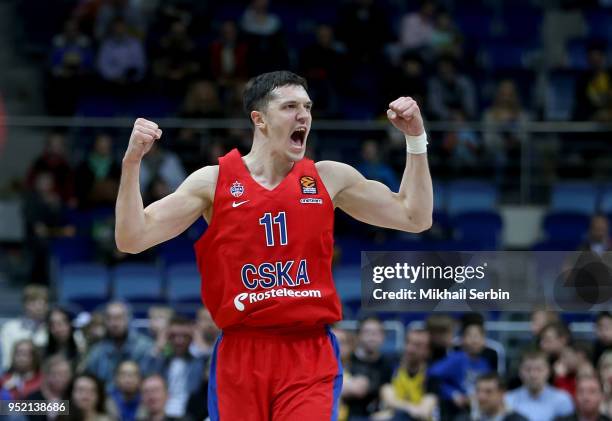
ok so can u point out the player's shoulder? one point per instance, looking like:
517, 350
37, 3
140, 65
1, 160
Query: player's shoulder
202, 181
332, 167
334, 170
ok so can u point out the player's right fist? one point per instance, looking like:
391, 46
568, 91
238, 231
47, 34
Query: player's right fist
144, 133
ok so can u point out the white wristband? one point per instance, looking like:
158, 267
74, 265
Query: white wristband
416, 144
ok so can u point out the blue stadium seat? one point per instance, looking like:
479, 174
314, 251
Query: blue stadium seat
600, 25
178, 250
183, 283
566, 227
574, 197
577, 54
71, 250
470, 196
483, 228
348, 282
137, 282
85, 284
605, 200
559, 96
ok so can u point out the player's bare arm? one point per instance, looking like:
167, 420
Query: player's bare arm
372, 202
138, 228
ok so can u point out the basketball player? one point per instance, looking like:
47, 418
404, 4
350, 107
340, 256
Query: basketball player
265, 259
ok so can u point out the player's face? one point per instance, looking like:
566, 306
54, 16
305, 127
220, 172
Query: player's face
288, 120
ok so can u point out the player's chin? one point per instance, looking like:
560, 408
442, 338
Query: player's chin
295, 154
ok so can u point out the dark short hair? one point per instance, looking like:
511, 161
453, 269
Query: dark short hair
258, 90
180, 320
492, 376
369, 318
534, 354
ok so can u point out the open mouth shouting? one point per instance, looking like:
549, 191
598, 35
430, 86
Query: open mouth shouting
298, 137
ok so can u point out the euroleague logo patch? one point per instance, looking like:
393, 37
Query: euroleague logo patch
237, 189
308, 184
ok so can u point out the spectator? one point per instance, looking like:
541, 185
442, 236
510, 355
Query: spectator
490, 390
87, 400
372, 167
408, 394
61, 336
461, 148
202, 101
363, 26
604, 371
159, 319
455, 375
589, 397
182, 371
56, 379
417, 28
542, 317
72, 60
121, 59
205, 334
120, 344
228, 56
266, 49
163, 164
603, 333
441, 329
594, 88
126, 392
44, 215
573, 362
598, 238
353, 386
367, 360
504, 119
536, 400
450, 90
24, 376
553, 338
197, 406
323, 63
92, 329
29, 326
54, 162
410, 79
175, 61
97, 177
126, 10
154, 394
445, 37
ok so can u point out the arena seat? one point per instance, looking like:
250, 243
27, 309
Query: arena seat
183, 283
85, 284
574, 197
471, 195
565, 227
482, 227
137, 282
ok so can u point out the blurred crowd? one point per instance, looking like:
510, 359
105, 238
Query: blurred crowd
111, 368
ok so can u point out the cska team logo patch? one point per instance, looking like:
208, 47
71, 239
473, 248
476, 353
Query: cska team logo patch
308, 184
237, 189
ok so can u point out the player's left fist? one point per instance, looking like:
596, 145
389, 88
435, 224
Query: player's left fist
404, 113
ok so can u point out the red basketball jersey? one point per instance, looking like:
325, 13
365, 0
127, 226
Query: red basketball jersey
265, 259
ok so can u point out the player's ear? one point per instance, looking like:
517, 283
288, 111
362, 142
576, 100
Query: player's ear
258, 119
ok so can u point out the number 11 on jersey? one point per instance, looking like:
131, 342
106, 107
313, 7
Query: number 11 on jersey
267, 221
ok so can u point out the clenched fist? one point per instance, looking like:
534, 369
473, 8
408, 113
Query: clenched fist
145, 132
404, 113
